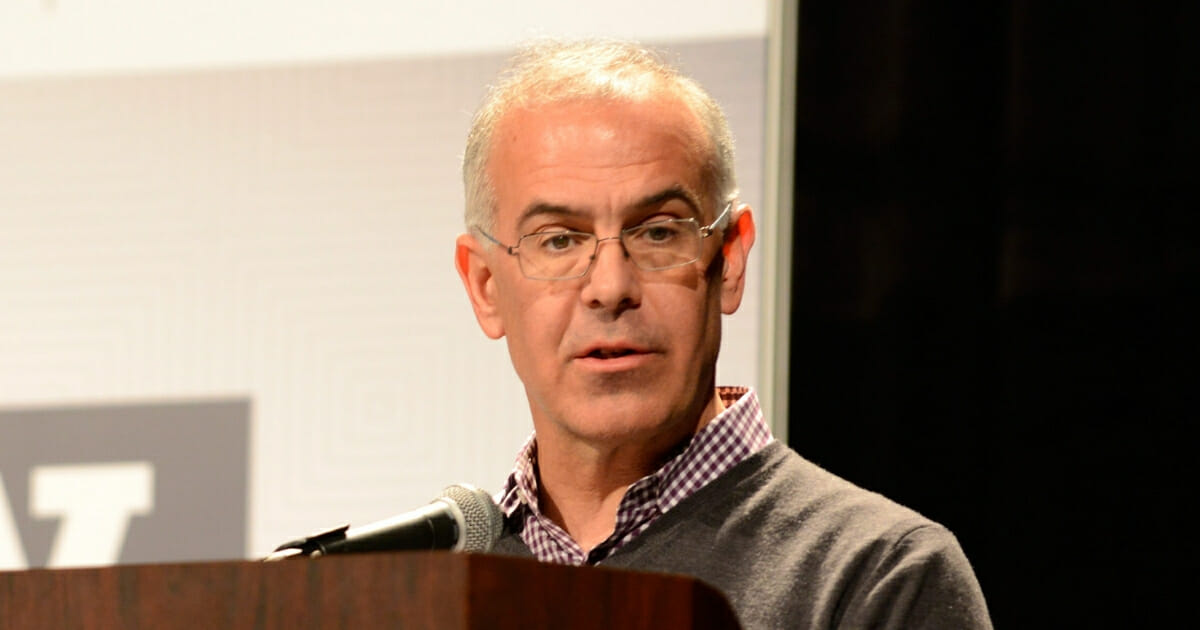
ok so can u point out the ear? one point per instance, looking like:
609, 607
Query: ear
472, 263
739, 238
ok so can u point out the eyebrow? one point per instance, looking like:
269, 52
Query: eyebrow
671, 194
543, 208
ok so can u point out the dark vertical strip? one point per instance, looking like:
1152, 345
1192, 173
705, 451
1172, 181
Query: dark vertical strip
995, 259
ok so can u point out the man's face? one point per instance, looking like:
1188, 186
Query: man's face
621, 355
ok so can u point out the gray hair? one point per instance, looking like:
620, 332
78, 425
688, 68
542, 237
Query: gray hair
548, 72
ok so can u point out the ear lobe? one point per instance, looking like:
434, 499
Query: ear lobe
472, 265
739, 238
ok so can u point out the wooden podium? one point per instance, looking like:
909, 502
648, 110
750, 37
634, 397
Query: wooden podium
441, 590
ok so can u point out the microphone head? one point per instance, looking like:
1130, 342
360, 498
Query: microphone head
481, 521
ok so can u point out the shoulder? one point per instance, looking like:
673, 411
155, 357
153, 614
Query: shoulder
788, 541
915, 578
780, 488
791, 503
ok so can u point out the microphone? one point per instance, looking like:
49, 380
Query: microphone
463, 518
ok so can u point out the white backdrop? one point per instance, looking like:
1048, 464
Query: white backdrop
259, 200
39, 37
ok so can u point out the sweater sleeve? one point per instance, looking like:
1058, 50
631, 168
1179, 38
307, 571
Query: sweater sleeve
921, 580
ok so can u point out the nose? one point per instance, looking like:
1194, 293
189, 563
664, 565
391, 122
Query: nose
612, 283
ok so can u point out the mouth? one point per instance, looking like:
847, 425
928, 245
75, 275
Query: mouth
609, 353
614, 356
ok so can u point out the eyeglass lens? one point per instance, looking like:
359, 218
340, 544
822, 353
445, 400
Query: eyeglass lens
651, 246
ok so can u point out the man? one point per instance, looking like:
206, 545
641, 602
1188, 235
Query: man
604, 243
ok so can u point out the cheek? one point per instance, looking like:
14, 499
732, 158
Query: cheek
535, 323
693, 318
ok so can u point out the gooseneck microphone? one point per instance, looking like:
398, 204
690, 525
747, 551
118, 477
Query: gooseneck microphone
463, 518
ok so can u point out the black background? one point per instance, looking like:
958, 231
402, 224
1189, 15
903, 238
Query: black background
995, 265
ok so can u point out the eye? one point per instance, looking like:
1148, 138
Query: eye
659, 232
556, 243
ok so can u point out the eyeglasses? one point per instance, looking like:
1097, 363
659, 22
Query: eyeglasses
653, 246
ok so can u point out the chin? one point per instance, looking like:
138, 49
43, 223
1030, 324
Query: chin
616, 422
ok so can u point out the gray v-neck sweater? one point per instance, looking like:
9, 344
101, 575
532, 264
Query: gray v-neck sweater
793, 546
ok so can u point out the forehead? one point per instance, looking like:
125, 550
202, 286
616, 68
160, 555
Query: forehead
596, 156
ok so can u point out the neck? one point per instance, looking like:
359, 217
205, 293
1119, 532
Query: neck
582, 483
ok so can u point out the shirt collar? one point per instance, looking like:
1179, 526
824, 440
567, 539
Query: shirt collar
736, 433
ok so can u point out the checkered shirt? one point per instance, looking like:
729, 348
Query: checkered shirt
732, 436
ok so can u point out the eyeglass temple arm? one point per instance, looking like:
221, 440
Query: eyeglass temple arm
721, 222
509, 248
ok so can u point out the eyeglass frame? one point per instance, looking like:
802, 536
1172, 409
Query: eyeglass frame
705, 231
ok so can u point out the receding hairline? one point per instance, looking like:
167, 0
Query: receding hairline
699, 142
546, 73
696, 136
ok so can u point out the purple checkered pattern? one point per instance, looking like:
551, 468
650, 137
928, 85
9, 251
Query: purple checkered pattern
732, 436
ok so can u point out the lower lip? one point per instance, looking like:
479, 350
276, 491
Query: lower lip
615, 364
